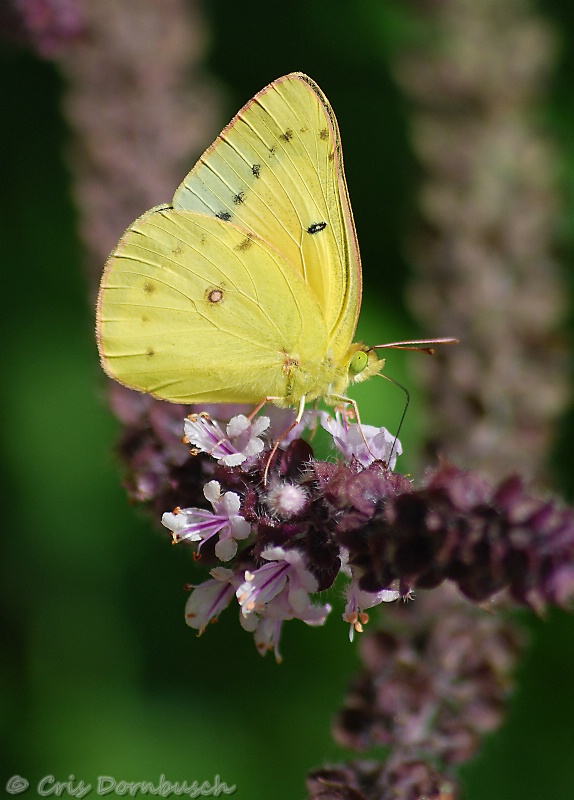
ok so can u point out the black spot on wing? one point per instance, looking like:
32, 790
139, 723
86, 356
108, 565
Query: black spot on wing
324, 134
256, 170
177, 251
224, 215
238, 198
317, 227
149, 288
272, 150
287, 136
150, 352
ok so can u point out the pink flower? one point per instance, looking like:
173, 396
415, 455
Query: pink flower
275, 592
237, 444
358, 600
199, 525
352, 440
208, 600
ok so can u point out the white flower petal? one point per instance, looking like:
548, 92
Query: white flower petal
212, 491
225, 549
171, 520
237, 425
259, 425
240, 527
234, 459
230, 503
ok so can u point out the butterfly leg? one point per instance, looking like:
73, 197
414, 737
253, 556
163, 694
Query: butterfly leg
258, 408
285, 433
353, 403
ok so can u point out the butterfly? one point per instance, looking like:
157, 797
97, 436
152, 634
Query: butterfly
247, 287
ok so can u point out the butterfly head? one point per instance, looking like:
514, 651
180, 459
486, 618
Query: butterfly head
363, 363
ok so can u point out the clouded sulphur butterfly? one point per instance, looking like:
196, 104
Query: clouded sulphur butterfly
248, 285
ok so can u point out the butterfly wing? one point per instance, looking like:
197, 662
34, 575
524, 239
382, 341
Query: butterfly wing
277, 171
194, 309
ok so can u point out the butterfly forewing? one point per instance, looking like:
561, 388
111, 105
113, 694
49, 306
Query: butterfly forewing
277, 171
194, 309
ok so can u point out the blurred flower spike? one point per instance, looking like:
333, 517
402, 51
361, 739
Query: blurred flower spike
288, 538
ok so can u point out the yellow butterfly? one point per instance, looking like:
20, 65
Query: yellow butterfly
248, 286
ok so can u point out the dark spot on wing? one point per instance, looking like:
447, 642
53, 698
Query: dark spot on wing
238, 198
324, 134
149, 288
203, 239
316, 227
304, 129
214, 295
177, 251
287, 136
224, 215
331, 155
272, 150
245, 244
150, 352
256, 170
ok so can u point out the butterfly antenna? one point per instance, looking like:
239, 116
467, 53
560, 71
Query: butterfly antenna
418, 345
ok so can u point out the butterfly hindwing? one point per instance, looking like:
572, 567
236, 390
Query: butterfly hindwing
193, 308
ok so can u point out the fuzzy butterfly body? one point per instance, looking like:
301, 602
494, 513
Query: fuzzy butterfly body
248, 285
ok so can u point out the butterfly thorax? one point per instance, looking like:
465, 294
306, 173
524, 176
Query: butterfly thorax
329, 378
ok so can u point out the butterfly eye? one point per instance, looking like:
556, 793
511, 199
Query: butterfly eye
358, 362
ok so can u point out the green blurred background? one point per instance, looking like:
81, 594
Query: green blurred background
100, 675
